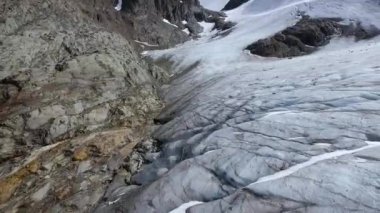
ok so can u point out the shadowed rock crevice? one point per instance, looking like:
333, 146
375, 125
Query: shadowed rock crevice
232, 4
307, 35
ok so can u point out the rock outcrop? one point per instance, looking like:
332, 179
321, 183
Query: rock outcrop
232, 4
76, 97
164, 23
307, 35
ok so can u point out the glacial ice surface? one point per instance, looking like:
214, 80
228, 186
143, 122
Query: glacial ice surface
235, 118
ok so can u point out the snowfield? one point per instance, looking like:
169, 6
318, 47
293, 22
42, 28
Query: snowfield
214, 4
242, 133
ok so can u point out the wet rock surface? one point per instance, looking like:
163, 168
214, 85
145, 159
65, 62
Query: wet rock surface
232, 4
307, 35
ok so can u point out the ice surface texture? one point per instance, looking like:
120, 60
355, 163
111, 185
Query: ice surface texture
237, 119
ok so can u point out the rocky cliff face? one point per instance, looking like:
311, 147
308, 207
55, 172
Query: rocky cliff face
75, 97
143, 20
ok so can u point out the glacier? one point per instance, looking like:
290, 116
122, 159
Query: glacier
234, 119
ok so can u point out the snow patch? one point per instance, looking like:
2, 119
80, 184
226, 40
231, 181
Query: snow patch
214, 4
185, 206
119, 5
113, 202
207, 28
146, 43
168, 22
186, 31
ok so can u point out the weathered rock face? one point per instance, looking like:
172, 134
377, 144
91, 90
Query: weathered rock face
145, 20
306, 36
75, 98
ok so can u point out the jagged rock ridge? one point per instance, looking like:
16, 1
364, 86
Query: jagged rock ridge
145, 18
307, 35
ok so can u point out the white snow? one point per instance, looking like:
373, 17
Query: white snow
146, 43
113, 202
277, 113
322, 144
168, 22
260, 19
186, 31
119, 5
214, 4
207, 28
185, 206
313, 161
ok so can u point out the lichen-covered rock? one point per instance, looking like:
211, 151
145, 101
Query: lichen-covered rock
73, 93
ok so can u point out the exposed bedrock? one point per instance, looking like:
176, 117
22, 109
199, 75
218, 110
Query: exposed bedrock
307, 35
146, 20
76, 97
232, 4
77, 102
